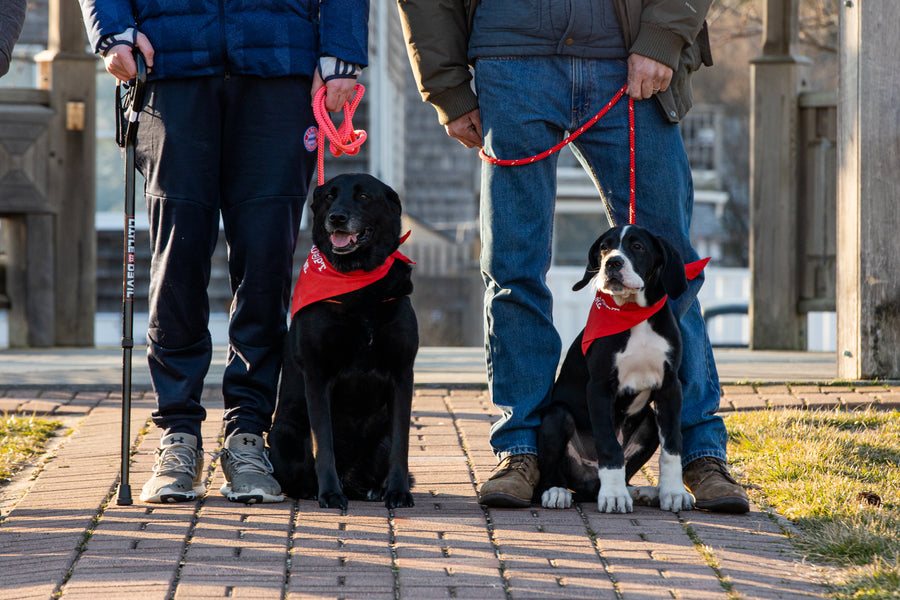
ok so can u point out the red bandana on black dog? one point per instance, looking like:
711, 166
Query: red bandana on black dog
319, 280
608, 318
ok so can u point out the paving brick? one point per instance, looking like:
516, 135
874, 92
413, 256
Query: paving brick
775, 388
817, 401
192, 591
10, 405
783, 401
889, 399
463, 592
38, 407
729, 389
23, 393
746, 402
806, 388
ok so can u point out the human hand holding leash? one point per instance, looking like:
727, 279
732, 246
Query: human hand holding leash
646, 77
338, 91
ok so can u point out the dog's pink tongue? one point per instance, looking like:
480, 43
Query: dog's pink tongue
339, 239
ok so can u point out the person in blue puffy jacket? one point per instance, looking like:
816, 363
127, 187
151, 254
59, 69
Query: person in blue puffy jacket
227, 132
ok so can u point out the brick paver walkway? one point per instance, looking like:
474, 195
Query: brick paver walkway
63, 536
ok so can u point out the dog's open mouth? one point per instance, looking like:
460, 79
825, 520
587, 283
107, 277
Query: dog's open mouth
614, 283
345, 242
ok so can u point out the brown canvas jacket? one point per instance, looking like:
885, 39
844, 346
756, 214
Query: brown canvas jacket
672, 32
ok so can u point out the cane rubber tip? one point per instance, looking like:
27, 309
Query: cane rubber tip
123, 498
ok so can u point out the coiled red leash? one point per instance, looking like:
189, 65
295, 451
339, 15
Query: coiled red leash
575, 134
341, 140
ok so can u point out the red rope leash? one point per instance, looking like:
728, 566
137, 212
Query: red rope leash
575, 134
342, 140
631, 188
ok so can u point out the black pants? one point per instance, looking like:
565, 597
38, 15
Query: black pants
211, 147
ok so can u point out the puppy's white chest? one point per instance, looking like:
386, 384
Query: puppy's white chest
641, 363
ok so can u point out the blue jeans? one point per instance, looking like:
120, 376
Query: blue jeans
529, 104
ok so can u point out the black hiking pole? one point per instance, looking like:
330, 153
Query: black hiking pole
126, 135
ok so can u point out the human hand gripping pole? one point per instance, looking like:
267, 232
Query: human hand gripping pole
341, 140
127, 125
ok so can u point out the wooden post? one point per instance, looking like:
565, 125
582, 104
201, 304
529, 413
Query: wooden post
28, 216
775, 323
68, 72
868, 270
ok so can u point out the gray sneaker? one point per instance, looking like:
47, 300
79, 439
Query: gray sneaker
248, 472
176, 474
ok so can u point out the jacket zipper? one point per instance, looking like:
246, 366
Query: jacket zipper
223, 45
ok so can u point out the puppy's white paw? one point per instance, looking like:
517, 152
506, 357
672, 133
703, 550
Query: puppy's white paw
613, 496
644, 495
675, 499
614, 503
556, 497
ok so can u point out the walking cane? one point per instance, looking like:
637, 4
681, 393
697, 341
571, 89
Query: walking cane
133, 100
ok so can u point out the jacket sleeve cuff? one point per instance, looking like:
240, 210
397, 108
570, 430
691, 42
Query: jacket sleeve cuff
659, 44
335, 68
127, 37
453, 103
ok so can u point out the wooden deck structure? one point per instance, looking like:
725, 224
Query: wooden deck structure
47, 144
824, 178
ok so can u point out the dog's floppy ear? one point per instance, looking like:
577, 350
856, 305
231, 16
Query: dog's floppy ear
592, 267
672, 275
393, 197
319, 194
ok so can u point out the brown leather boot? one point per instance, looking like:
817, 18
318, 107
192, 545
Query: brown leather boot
512, 484
713, 487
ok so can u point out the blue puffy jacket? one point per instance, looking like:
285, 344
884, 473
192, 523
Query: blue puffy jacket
268, 38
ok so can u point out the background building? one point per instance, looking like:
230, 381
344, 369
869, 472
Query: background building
438, 181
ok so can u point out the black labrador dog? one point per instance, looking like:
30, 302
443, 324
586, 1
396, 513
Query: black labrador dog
618, 397
341, 426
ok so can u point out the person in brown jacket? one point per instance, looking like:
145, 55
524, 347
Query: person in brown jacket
541, 69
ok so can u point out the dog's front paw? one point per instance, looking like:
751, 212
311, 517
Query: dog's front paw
613, 495
333, 500
398, 499
556, 497
675, 499
614, 503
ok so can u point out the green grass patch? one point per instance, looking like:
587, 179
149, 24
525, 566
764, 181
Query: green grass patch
21, 438
835, 474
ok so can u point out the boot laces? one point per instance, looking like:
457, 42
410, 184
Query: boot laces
515, 462
709, 465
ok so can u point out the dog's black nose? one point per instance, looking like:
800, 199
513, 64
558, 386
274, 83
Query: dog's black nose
337, 218
614, 263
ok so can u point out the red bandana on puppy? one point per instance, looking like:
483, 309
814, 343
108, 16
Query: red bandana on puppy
319, 280
608, 318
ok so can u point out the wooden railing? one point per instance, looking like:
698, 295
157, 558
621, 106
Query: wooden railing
817, 200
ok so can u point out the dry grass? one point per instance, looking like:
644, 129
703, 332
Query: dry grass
22, 438
836, 474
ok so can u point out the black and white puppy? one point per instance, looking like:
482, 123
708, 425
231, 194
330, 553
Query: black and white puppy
341, 426
617, 397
